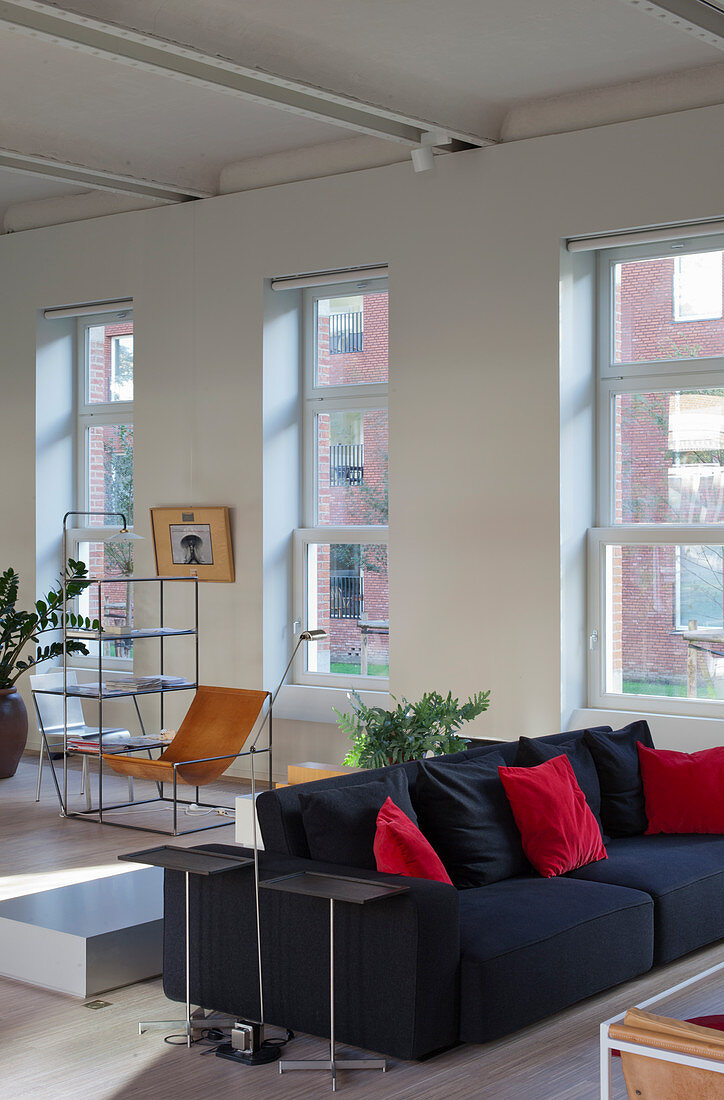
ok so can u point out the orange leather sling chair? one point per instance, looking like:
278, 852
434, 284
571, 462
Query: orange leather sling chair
213, 733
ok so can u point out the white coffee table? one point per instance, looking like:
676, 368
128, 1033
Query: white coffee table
608, 1044
87, 937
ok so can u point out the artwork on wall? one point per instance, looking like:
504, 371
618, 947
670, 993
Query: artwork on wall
193, 542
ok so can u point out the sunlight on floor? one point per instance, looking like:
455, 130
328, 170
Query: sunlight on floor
16, 886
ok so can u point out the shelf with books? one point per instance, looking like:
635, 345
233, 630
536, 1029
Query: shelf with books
109, 686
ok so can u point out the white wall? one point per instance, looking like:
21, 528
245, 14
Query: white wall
474, 255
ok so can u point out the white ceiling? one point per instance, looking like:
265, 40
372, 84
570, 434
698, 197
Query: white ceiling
134, 123
460, 62
463, 64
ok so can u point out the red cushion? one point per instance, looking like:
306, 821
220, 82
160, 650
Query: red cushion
557, 828
401, 849
683, 792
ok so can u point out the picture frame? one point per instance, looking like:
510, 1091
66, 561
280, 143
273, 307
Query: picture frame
193, 542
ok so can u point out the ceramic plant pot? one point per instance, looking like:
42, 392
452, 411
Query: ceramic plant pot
13, 730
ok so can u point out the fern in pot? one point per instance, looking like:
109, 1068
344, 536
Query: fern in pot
410, 731
20, 630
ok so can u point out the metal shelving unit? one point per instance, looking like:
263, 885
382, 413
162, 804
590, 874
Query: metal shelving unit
100, 693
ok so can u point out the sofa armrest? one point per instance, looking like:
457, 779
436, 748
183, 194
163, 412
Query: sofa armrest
396, 962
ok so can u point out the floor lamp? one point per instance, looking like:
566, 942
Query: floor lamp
123, 535
248, 1047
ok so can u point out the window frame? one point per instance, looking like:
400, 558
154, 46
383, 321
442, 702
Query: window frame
643, 376
640, 534
676, 299
304, 537
94, 414
328, 399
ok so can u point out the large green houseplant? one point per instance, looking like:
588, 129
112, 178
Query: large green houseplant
410, 731
20, 630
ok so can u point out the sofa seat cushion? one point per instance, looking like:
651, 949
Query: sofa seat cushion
685, 877
532, 946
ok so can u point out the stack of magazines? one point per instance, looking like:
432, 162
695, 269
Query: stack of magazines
143, 683
112, 742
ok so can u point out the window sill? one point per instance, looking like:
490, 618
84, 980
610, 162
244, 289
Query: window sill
683, 732
305, 703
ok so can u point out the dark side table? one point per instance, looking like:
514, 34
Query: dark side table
192, 861
350, 891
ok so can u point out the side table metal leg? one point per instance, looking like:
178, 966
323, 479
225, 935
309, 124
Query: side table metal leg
199, 1018
331, 995
343, 1063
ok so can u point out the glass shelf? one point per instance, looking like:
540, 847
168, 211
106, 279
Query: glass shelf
114, 636
90, 691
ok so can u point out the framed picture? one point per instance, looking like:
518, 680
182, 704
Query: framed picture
193, 542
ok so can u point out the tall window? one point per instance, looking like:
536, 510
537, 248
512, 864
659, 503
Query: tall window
657, 560
105, 463
342, 577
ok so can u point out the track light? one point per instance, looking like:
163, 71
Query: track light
422, 158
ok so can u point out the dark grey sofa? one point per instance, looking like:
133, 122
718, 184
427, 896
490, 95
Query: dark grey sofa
439, 965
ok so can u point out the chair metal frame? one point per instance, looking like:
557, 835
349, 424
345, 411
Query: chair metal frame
174, 800
608, 1044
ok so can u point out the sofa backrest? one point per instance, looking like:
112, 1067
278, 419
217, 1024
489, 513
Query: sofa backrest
280, 812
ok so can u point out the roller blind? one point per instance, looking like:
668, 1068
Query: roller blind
326, 278
121, 305
645, 236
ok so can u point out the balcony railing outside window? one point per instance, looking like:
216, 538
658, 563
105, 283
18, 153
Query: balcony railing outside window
346, 464
345, 333
346, 597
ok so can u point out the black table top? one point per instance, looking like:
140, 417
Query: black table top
335, 887
193, 860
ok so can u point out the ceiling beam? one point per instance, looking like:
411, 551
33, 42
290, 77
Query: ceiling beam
93, 178
143, 51
701, 18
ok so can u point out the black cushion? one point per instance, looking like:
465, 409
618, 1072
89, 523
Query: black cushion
532, 752
619, 773
532, 946
685, 877
464, 813
280, 811
340, 823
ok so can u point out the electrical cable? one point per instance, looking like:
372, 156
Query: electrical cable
209, 1035
213, 1038
190, 811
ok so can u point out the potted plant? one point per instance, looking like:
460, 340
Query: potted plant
410, 731
20, 629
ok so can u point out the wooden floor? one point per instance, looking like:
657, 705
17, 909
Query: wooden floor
53, 1047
